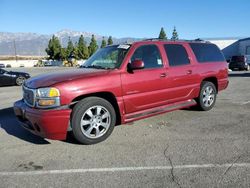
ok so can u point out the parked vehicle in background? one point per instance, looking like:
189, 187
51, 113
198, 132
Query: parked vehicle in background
12, 78
2, 65
47, 63
241, 62
8, 66
121, 84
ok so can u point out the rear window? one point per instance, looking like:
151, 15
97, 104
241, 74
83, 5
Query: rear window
238, 59
207, 52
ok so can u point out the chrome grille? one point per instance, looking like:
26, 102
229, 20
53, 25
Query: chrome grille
29, 96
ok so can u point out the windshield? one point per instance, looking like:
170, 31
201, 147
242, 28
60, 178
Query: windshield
110, 57
2, 71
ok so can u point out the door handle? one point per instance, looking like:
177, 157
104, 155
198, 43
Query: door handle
163, 75
189, 71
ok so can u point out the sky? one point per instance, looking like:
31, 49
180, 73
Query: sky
129, 18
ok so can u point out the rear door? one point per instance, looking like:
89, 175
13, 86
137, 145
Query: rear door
144, 89
183, 81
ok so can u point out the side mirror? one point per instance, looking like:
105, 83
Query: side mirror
136, 64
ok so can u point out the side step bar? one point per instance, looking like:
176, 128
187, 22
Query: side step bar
159, 110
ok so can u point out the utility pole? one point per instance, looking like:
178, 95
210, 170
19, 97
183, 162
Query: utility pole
15, 49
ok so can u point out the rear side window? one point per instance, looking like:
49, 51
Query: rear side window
177, 55
150, 55
207, 52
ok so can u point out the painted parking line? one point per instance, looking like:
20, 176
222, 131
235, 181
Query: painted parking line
122, 169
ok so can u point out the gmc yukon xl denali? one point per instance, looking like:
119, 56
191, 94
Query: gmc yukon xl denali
120, 84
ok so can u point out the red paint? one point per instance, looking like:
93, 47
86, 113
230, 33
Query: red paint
52, 124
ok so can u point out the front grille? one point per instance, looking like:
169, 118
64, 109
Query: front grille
29, 96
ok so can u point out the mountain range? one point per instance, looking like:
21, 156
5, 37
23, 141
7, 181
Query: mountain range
33, 44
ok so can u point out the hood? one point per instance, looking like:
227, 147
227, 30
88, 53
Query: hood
47, 80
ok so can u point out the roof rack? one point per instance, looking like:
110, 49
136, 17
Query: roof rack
179, 40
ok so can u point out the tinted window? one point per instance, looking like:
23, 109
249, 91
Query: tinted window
238, 59
177, 54
149, 54
207, 52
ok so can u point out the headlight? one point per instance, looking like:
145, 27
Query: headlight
47, 97
48, 92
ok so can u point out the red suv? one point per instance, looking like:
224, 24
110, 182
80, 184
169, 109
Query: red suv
120, 84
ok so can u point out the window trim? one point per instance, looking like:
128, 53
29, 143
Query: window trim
151, 68
188, 57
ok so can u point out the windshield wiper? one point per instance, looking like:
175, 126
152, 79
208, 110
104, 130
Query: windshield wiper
94, 67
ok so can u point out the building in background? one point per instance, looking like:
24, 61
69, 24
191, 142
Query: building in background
232, 46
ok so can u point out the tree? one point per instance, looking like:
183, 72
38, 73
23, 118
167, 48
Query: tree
49, 49
54, 48
76, 51
162, 34
104, 43
174, 34
110, 40
70, 48
63, 54
83, 51
92, 46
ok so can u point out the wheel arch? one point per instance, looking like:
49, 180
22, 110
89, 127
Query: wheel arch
213, 80
110, 97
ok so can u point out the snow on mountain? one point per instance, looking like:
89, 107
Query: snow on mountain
35, 44
70, 33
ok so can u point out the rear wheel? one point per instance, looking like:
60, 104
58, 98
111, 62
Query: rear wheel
93, 120
20, 80
248, 68
207, 97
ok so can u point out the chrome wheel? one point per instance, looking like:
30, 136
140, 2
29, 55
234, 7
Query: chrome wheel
208, 96
95, 122
20, 80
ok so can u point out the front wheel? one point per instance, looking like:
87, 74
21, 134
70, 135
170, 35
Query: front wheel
20, 80
207, 97
93, 120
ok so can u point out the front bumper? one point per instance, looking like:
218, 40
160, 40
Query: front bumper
52, 123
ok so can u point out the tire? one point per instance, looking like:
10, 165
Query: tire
207, 96
20, 80
93, 120
248, 68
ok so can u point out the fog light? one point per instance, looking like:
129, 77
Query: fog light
46, 102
